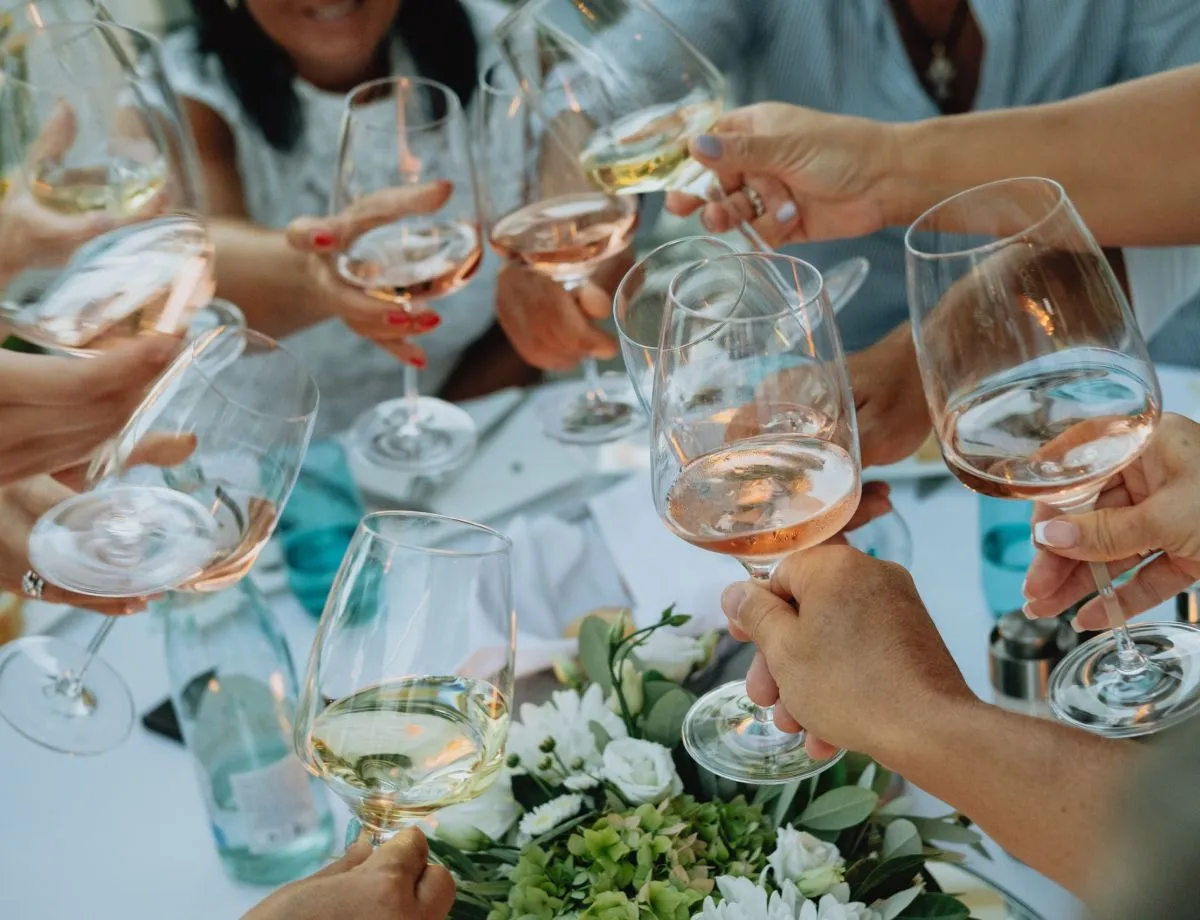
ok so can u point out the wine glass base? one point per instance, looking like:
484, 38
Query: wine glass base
123, 541
571, 414
843, 281
1087, 689
442, 440
722, 735
34, 702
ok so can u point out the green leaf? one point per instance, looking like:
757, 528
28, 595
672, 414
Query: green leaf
664, 723
655, 690
593, 652
599, 734
939, 906
839, 809
783, 804
866, 779
894, 906
765, 795
937, 830
901, 839
890, 877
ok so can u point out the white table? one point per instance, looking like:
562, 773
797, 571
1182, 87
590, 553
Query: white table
124, 836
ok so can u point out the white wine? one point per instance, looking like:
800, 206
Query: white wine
1050, 434
764, 497
415, 258
403, 749
244, 522
646, 151
119, 186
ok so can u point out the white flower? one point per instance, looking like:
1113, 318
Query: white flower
547, 817
744, 900
812, 864
673, 654
643, 771
830, 908
567, 720
631, 689
470, 825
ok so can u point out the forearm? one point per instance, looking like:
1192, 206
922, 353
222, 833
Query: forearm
259, 272
1039, 789
1123, 154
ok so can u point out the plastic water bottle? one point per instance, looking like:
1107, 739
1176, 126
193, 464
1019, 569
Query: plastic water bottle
234, 690
1006, 545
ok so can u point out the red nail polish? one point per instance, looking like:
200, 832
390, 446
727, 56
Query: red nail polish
428, 321
323, 239
399, 318
418, 361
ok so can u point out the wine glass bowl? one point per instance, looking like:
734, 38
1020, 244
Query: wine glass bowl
406, 136
755, 455
1040, 388
405, 707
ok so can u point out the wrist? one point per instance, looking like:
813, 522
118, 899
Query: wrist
924, 738
909, 184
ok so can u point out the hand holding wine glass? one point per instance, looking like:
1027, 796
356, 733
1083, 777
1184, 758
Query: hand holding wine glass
1040, 388
405, 707
751, 334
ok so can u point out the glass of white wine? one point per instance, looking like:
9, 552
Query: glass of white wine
405, 707
101, 229
754, 454
1041, 389
406, 132
544, 213
184, 498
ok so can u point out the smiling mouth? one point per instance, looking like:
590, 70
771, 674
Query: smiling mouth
331, 12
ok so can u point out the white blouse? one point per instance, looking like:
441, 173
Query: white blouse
351, 372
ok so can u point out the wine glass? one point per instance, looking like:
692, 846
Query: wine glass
618, 84
184, 498
754, 454
641, 302
100, 217
405, 707
407, 132
1041, 389
543, 212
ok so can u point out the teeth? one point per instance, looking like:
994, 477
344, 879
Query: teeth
336, 11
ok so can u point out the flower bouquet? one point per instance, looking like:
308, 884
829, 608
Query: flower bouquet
601, 815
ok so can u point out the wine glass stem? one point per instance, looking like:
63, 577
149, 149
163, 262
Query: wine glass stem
412, 400
594, 392
761, 574
70, 683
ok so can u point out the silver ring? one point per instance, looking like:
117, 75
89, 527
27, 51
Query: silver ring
756, 201
32, 585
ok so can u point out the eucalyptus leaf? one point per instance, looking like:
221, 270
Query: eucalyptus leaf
866, 779
898, 807
765, 795
901, 839
783, 805
894, 906
839, 809
935, 830
664, 722
593, 652
890, 877
655, 690
936, 907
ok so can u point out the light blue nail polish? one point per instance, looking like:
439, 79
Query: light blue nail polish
707, 146
786, 213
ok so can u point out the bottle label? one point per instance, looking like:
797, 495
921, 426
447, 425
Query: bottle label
276, 804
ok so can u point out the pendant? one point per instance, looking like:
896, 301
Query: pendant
941, 73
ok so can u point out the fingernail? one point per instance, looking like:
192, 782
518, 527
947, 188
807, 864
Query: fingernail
1077, 626
427, 321
732, 599
322, 239
1027, 609
786, 213
707, 146
1059, 534
399, 318
418, 361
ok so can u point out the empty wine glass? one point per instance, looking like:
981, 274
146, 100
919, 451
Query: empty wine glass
1041, 389
405, 707
544, 213
407, 132
184, 498
101, 234
754, 451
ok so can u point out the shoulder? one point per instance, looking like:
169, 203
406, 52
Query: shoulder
198, 75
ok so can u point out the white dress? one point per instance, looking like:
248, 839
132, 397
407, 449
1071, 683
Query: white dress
351, 372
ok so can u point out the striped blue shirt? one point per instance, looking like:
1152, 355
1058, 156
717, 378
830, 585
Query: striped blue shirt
847, 56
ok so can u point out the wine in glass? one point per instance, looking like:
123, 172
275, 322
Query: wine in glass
101, 231
544, 213
623, 89
406, 132
754, 454
184, 498
1041, 389
405, 707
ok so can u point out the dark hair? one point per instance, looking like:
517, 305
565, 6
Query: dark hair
437, 33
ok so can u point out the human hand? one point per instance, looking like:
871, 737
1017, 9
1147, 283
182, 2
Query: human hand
889, 399
55, 411
394, 882
1152, 506
321, 239
855, 656
820, 176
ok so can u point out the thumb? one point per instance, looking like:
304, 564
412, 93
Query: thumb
1105, 535
57, 136
738, 153
358, 854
